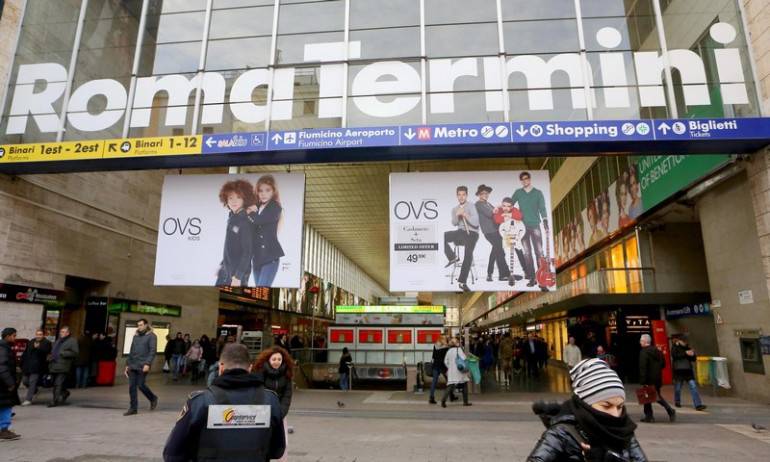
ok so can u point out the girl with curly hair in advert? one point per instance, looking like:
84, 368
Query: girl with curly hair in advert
266, 216
234, 270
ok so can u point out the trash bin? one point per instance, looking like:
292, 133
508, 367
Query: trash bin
703, 370
473, 368
106, 373
721, 374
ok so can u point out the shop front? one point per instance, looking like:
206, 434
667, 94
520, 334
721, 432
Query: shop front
30, 308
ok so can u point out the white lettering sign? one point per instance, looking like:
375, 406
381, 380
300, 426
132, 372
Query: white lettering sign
383, 89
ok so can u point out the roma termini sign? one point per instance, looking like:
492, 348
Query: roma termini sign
40, 88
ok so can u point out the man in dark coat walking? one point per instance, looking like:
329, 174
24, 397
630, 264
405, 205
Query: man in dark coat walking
34, 364
9, 395
63, 356
683, 357
651, 364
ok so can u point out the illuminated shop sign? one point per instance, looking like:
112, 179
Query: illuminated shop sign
39, 88
390, 309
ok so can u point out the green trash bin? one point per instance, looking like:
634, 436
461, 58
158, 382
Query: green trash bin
473, 368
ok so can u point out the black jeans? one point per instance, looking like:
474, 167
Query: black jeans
136, 379
31, 381
661, 401
465, 239
60, 387
450, 391
533, 239
497, 256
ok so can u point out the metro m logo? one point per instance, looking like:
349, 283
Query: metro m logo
424, 134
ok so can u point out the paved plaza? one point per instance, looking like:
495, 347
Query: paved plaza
375, 426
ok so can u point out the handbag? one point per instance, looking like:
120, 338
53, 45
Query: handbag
647, 394
462, 364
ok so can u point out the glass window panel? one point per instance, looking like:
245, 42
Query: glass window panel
105, 9
42, 12
357, 118
311, 17
242, 22
528, 37
115, 131
176, 6
354, 70
462, 83
370, 14
388, 43
158, 126
219, 4
461, 40
238, 53
170, 58
181, 27
562, 108
459, 11
305, 115
291, 48
518, 10
468, 107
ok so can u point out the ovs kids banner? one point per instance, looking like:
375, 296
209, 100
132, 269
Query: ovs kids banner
471, 231
231, 230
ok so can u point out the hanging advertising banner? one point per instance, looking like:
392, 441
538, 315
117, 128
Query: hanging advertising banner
471, 231
231, 231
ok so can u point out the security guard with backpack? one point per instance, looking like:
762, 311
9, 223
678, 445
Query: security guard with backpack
236, 419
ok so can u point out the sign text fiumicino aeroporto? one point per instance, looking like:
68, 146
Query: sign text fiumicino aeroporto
384, 90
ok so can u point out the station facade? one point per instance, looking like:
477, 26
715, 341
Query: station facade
658, 236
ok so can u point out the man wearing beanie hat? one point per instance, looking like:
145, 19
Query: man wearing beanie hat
593, 424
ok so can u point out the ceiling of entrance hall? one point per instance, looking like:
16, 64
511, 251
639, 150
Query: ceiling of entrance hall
348, 203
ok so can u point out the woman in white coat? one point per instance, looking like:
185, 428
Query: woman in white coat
455, 377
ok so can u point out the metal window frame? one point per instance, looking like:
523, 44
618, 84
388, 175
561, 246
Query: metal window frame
71, 70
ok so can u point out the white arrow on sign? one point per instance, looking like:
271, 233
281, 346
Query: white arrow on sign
210, 142
522, 131
277, 138
664, 127
410, 134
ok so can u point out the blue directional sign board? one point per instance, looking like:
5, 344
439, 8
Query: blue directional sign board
696, 136
571, 132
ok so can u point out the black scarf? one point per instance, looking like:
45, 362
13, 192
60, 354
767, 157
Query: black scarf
612, 432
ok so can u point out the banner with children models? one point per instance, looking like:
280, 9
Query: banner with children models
471, 231
231, 230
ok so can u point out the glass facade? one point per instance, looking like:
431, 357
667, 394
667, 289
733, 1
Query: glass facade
171, 67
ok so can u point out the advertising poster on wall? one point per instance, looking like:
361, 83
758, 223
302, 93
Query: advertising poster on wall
231, 230
471, 231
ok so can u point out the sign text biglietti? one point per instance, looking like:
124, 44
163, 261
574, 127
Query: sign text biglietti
39, 88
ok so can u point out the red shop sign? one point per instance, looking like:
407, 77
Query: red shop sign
399, 336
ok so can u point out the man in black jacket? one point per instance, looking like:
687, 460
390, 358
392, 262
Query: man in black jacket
9, 396
439, 368
144, 345
34, 364
234, 420
683, 357
651, 364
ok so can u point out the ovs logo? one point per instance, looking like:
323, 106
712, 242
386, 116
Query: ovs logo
425, 210
184, 227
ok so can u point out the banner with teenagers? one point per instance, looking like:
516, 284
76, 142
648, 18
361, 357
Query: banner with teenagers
471, 231
231, 230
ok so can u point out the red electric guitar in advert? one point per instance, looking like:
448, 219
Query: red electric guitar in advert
545, 276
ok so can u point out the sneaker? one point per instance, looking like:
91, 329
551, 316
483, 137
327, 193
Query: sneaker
648, 420
702, 407
432, 401
53, 404
7, 435
443, 403
64, 397
678, 405
671, 415
26, 403
153, 404
130, 412
467, 404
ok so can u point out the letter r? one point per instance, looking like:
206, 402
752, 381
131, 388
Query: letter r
39, 105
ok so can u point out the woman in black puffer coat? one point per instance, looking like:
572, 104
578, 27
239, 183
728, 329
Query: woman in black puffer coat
593, 424
277, 368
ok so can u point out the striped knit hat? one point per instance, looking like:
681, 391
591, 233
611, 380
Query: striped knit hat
594, 381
